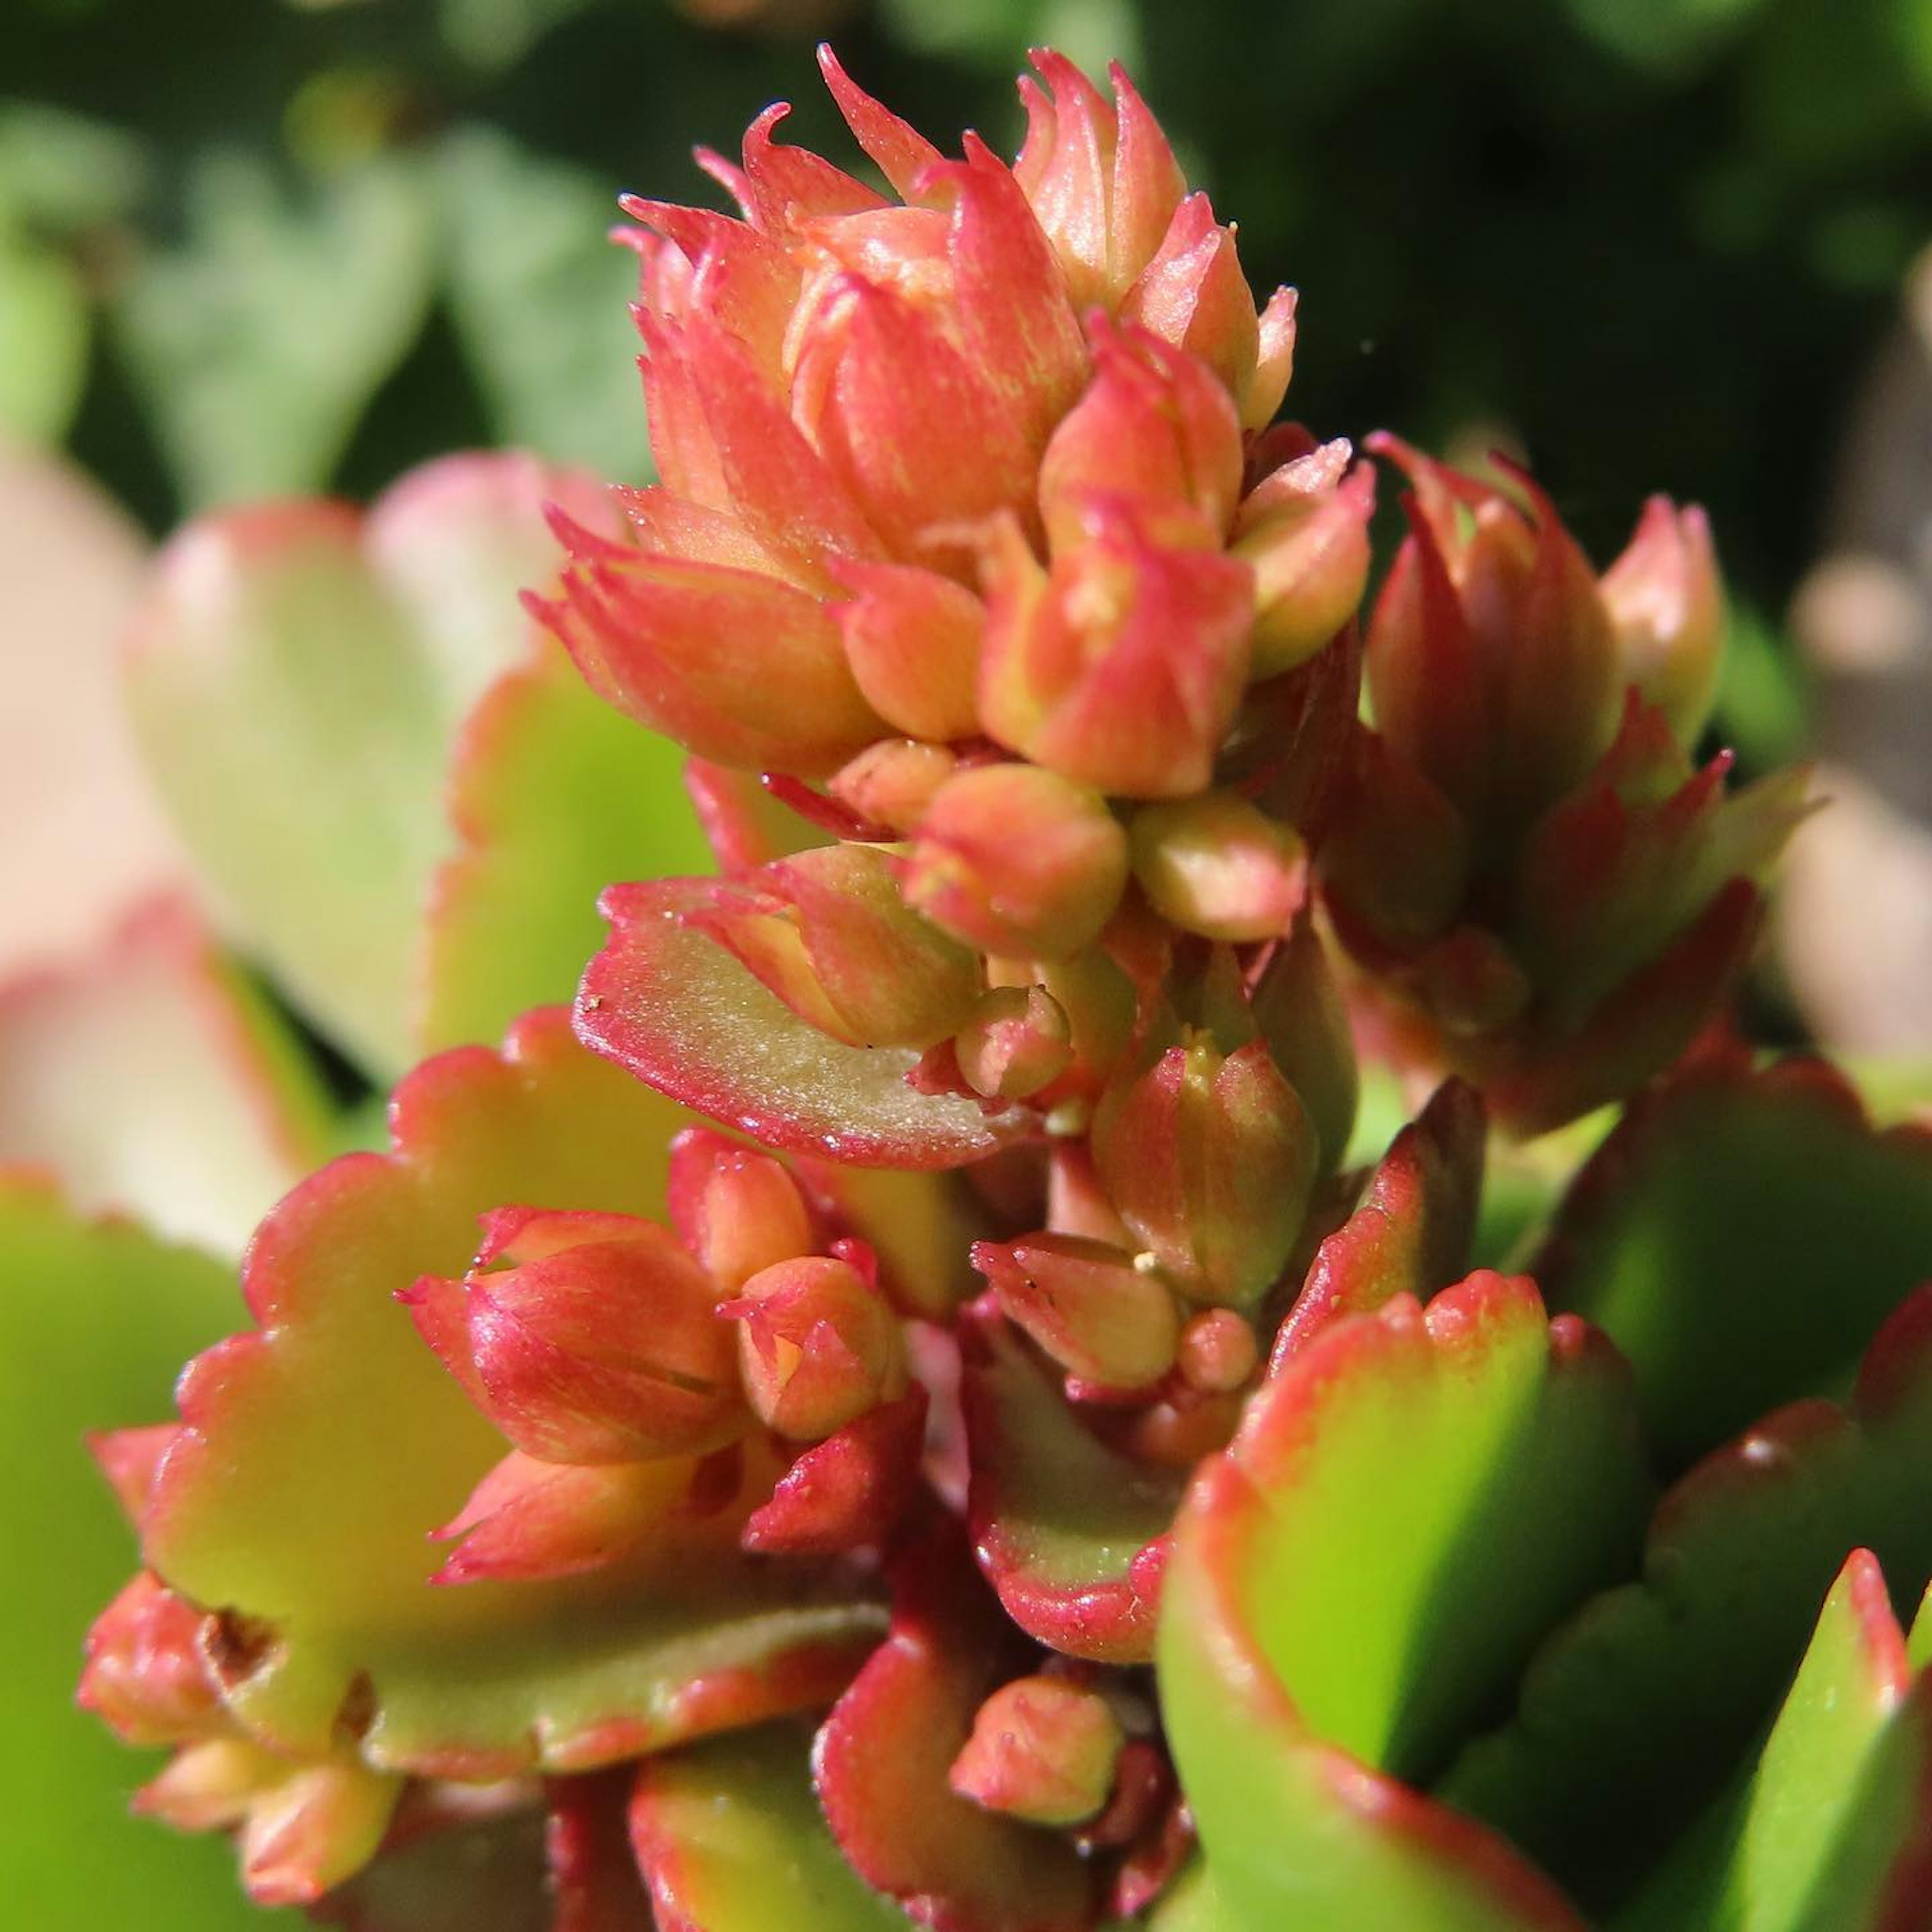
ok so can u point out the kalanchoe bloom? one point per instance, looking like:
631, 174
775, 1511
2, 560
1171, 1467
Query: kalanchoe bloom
1217, 865
1018, 1039
1550, 897
1100, 1312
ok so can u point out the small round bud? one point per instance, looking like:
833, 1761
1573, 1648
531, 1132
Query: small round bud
1042, 1749
1218, 1351
1018, 1040
1219, 866
818, 1345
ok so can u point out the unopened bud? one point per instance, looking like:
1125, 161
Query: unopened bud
1219, 866
145, 1676
1102, 1319
1012, 858
828, 931
1210, 1160
818, 1345
737, 1210
1304, 530
1043, 1749
605, 1352
1666, 606
912, 638
1298, 1007
1017, 1041
892, 783
1218, 1351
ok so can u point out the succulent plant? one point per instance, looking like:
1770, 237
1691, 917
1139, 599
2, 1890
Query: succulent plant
914, 1401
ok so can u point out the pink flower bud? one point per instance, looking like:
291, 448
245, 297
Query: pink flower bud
1012, 859
1018, 1040
604, 1351
1210, 1160
145, 1676
736, 1210
1491, 665
1154, 424
829, 932
1122, 667
1192, 294
1102, 178
818, 1345
912, 638
893, 782
1102, 1316
1304, 531
1219, 866
1218, 1351
1043, 1748
1666, 605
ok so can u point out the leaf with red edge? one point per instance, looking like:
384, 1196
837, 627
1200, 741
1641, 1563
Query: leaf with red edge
296, 679
553, 794
730, 1840
848, 1492
1411, 1499
1636, 1710
1413, 1231
149, 1076
1833, 1827
666, 1001
1067, 1529
883, 1755
1740, 1236
320, 1449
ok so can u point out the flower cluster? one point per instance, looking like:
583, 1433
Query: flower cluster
937, 1390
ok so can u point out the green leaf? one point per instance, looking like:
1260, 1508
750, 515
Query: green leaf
297, 683
44, 329
1740, 1236
541, 299
323, 1448
1638, 1709
260, 341
554, 795
731, 1839
1823, 1837
1412, 1498
94, 1319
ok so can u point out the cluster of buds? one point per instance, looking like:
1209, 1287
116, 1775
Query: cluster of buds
1549, 894
1017, 655
730, 1362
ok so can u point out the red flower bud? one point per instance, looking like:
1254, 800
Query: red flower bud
1104, 1317
1154, 424
1210, 1160
892, 783
1018, 1040
912, 638
601, 1349
1219, 866
1012, 859
818, 1345
829, 932
1122, 667
736, 1210
145, 1676
1218, 1351
1304, 531
1045, 1749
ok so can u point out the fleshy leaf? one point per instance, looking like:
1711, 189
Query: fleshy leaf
1834, 1829
1739, 1237
151, 1078
322, 1449
1635, 1711
730, 1840
296, 680
665, 1001
94, 1319
1063, 1525
553, 794
1412, 1498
